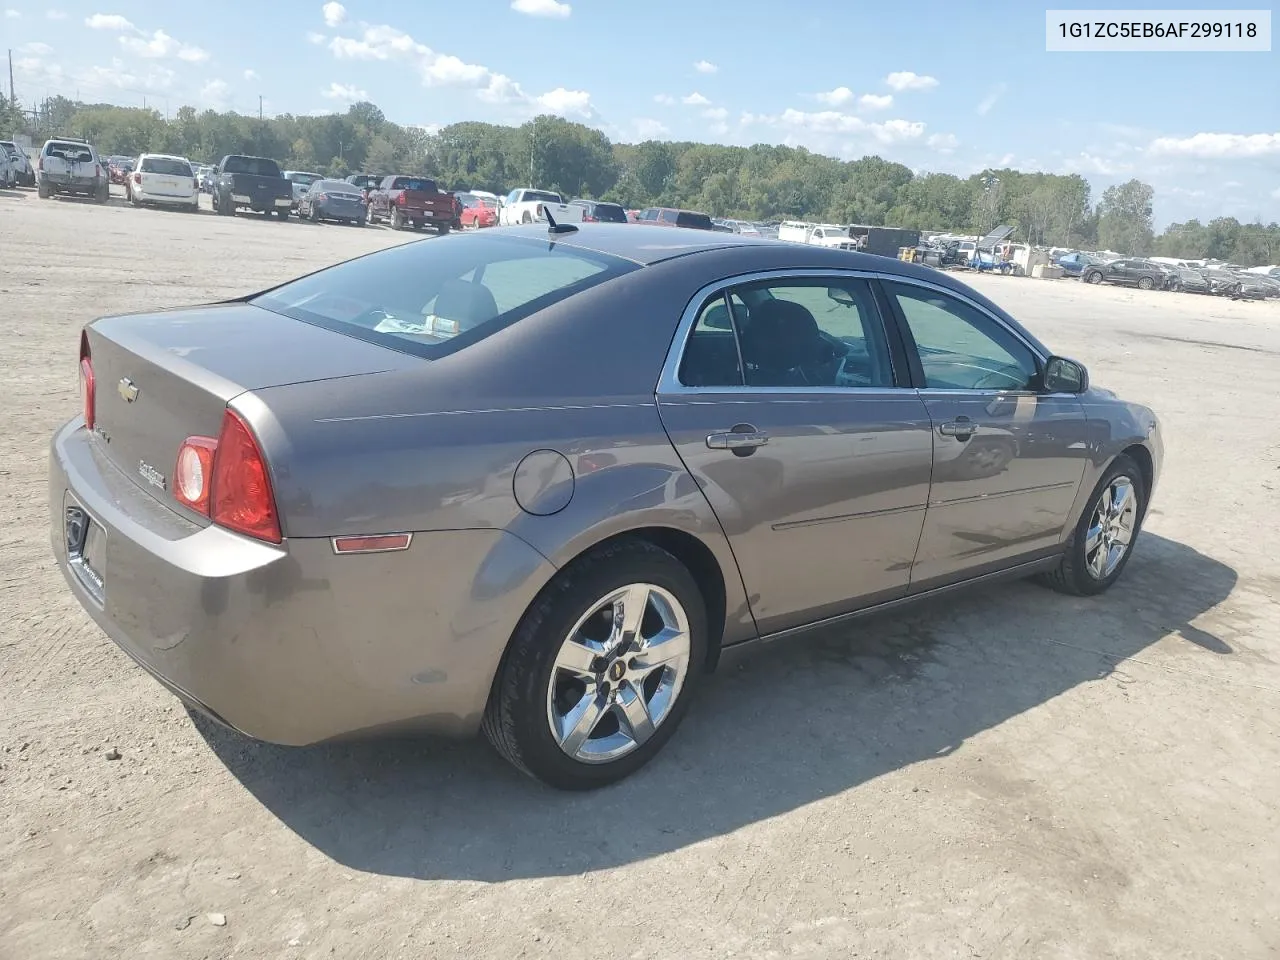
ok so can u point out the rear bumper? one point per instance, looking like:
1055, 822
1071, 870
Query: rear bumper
157, 198
65, 183
353, 212
262, 203
293, 644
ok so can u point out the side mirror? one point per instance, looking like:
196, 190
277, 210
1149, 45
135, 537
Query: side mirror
1065, 376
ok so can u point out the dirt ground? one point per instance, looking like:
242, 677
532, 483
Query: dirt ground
1011, 773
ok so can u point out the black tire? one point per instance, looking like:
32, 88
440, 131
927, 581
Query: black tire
1146, 283
1093, 276
1072, 575
102, 194
443, 229
222, 206
43, 190
515, 719
397, 220
195, 207
282, 214
526, 218
314, 214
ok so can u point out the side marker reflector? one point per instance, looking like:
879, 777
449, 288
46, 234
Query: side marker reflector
381, 543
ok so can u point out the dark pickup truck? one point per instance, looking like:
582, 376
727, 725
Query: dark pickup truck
413, 200
253, 182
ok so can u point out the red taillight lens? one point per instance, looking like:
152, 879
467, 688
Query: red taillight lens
88, 393
587, 218
193, 476
400, 199
322, 196
240, 496
137, 178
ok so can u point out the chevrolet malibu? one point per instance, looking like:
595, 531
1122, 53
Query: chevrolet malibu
534, 482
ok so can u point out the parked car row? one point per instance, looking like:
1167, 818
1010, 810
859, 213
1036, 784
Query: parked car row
1148, 274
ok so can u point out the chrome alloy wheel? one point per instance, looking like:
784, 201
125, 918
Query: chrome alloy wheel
618, 673
1111, 529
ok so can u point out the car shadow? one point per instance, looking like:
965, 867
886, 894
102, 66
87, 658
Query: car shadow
793, 723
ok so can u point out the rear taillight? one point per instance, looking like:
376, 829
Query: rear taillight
40, 163
137, 178
400, 199
227, 480
587, 218
322, 196
88, 392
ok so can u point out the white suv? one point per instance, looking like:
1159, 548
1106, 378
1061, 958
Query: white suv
160, 179
19, 166
71, 166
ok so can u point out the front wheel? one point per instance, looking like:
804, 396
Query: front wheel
601, 669
1103, 539
1146, 283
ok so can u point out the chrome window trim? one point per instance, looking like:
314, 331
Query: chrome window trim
669, 384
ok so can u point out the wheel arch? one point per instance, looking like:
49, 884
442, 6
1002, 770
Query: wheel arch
1140, 455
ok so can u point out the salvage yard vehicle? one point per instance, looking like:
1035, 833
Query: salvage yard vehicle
412, 201
252, 182
671, 217
1131, 271
400, 494
301, 181
530, 206
597, 211
163, 181
477, 212
818, 234
70, 167
19, 164
333, 200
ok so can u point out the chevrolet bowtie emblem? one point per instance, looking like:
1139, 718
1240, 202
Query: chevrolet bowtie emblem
127, 389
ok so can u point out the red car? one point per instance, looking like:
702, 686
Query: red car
478, 212
119, 172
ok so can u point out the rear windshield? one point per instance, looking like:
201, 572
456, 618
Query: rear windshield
364, 180
539, 196
698, 221
304, 179
337, 186
252, 166
433, 299
610, 213
172, 168
414, 183
69, 151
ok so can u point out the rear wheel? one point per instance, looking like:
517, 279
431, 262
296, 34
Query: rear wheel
43, 190
397, 219
103, 193
283, 214
526, 218
443, 229
601, 669
1103, 539
1093, 276
195, 206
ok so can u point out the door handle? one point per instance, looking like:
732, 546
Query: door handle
962, 428
735, 440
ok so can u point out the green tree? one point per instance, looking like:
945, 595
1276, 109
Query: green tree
1125, 218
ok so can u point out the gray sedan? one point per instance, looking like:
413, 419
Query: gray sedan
535, 482
333, 200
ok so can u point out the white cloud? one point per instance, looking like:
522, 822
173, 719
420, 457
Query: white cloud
334, 13
1217, 146
873, 101
943, 142
542, 8
566, 103
646, 129
108, 21
36, 48
214, 94
991, 99
161, 46
695, 99
837, 97
705, 66
664, 98
12, 15
251, 74
834, 122
716, 113
55, 15
158, 79
906, 80
1276, 193
388, 44
1085, 162
316, 38
344, 93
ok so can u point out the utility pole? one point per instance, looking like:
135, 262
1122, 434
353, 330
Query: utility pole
259, 106
533, 139
12, 99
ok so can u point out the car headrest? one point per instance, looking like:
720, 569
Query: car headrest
469, 303
782, 335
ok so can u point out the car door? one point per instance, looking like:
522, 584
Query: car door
1007, 457
784, 402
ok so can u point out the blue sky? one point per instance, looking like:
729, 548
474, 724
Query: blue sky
944, 86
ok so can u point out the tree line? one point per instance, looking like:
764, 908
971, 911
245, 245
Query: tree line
760, 182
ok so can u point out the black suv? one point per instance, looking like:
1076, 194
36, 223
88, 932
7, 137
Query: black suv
1132, 272
596, 211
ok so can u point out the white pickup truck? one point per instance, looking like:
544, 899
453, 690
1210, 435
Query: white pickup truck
817, 234
528, 206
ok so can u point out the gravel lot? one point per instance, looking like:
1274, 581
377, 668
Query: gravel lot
1008, 774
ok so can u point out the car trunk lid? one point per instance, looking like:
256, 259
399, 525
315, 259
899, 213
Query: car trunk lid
160, 378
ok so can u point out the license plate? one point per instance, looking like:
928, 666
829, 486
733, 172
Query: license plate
239, 198
283, 203
87, 550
